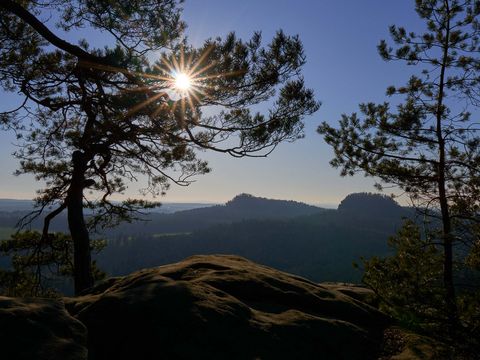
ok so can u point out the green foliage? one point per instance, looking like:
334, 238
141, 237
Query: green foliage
409, 283
469, 310
38, 264
120, 110
403, 146
428, 145
100, 118
473, 258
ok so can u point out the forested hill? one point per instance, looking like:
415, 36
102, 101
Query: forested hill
369, 205
317, 243
242, 207
245, 205
187, 218
321, 245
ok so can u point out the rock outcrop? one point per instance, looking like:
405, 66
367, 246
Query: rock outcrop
39, 329
355, 291
224, 307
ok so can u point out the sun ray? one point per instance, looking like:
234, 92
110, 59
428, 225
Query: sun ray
176, 64
184, 81
202, 70
169, 66
189, 61
123, 71
158, 110
214, 76
194, 96
148, 101
182, 106
201, 58
174, 106
194, 111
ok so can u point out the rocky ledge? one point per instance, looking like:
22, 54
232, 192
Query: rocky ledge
40, 329
205, 307
224, 307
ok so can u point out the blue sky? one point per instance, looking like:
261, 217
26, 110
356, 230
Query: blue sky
343, 68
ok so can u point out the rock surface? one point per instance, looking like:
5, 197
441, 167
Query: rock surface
355, 291
39, 329
224, 307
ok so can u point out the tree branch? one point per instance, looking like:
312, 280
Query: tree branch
49, 217
18, 10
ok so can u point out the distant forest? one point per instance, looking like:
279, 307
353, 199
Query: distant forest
320, 244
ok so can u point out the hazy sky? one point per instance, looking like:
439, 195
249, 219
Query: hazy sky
343, 68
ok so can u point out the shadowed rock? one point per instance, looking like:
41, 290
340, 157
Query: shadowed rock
39, 329
355, 291
224, 307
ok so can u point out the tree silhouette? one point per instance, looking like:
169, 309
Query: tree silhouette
98, 118
429, 146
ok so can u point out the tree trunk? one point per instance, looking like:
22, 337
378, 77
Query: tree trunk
81, 242
450, 301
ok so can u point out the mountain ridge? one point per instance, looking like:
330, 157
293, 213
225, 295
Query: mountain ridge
313, 242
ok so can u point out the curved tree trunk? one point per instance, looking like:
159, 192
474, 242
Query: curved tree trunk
81, 242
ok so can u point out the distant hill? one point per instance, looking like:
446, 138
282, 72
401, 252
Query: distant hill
321, 245
241, 207
178, 217
370, 204
248, 206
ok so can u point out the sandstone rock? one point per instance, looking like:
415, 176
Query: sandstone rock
39, 329
224, 307
355, 291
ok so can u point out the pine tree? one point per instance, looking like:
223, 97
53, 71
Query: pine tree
99, 118
41, 265
429, 146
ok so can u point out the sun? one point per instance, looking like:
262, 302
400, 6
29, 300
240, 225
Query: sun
182, 82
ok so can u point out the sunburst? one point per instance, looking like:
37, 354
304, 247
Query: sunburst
187, 79
179, 81
182, 82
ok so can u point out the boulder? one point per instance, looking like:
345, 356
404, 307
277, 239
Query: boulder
39, 329
224, 307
